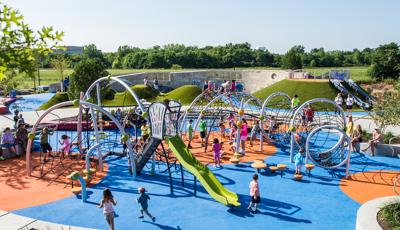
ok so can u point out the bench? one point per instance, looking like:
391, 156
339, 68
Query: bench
387, 150
7, 154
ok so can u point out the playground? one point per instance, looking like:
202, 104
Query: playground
152, 145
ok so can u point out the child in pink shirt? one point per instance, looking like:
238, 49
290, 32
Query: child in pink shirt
243, 135
65, 144
217, 152
254, 193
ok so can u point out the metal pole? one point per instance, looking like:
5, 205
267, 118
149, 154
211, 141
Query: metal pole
99, 104
96, 133
183, 182
195, 185
169, 169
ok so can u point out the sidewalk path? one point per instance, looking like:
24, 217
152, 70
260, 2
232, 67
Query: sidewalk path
10, 221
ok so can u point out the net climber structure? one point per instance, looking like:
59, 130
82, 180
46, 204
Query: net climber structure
318, 127
277, 113
216, 110
74, 138
131, 114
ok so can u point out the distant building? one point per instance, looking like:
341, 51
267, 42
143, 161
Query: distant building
71, 50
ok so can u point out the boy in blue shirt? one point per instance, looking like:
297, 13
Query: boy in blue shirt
299, 160
143, 201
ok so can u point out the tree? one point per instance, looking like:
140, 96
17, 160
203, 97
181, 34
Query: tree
91, 52
60, 63
385, 62
20, 45
292, 59
386, 112
85, 73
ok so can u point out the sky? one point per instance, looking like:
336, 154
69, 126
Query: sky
274, 24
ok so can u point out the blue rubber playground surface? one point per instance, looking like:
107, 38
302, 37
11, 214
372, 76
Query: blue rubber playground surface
316, 202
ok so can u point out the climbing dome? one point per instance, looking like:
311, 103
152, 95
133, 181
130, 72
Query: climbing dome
320, 133
104, 89
215, 109
92, 131
277, 110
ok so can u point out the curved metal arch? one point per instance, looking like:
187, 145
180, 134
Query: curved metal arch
182, 126
315, 100
270, 97
89, 105
252, 98
343, 138
209, 104
122, 82
310, 102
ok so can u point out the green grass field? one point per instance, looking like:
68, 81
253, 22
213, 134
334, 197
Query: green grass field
306, 90
48, 76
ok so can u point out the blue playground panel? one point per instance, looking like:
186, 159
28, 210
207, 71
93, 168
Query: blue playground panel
313, 203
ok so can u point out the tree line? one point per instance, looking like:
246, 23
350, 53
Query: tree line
384, 60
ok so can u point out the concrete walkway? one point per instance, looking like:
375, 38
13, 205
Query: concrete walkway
32, 116
10, 221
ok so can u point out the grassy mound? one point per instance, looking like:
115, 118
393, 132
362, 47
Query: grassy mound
306, 90
125, 98
388, 216
57, 98
185, 94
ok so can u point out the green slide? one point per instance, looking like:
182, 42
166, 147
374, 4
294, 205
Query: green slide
203, 174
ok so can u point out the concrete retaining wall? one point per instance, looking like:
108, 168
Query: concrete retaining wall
367, 213
252, 79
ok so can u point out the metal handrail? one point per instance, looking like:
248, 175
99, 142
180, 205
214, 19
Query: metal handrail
390, 144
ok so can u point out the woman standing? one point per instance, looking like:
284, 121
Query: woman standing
356, 139
339, 101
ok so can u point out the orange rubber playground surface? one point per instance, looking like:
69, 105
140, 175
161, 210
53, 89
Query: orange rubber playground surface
286, 203
20, 191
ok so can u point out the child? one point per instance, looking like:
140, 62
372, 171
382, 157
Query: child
222, 129
217, 152
271, 126
190, 132
145, 131
202, 128
295, 102
143, 201
44, 143
231, 119
65, 144
299, 160
349, 105
254, 131
233, 131
232, 146
254, 193
243, 135
8, 140
107, 204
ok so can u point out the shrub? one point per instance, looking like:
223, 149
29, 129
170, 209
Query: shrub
85, 73
176, 66
389, 216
